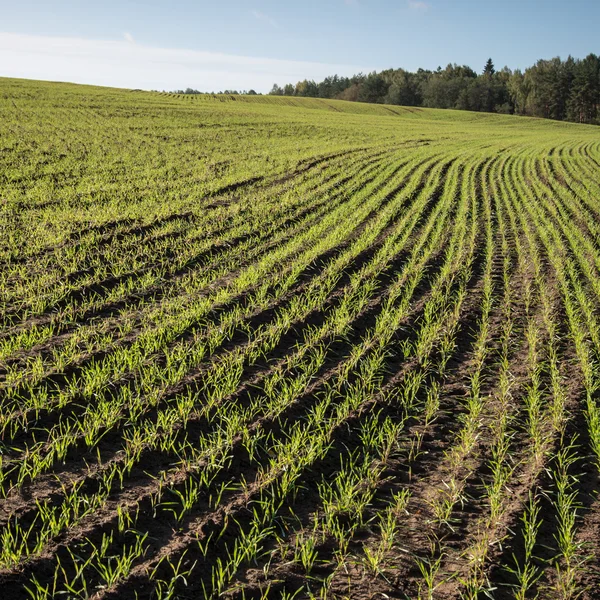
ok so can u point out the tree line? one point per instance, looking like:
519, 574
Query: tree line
553, 89
226, 92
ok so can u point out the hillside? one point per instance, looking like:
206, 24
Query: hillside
271, 347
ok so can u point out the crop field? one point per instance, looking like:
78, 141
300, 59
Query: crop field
260, 347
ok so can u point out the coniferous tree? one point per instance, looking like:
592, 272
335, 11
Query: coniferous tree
584, 101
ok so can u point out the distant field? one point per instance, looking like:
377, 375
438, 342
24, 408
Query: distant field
263, 347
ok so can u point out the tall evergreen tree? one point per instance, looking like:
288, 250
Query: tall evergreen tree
489, 68
584, 101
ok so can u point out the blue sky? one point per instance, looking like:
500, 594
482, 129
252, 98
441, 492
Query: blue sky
214, 44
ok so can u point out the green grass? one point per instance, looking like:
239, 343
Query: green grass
264, 347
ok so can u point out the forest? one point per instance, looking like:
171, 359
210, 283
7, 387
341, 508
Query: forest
564, 90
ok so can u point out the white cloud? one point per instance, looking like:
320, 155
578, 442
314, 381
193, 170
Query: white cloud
260, 16
128, 37
133, 65
417, 5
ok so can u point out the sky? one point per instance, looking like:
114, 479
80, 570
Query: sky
235, 44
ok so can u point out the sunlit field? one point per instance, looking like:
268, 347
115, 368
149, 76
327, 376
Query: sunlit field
269, 347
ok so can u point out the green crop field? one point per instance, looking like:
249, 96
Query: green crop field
269, 347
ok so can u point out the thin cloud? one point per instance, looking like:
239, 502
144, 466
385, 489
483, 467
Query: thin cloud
418, 5
120, 63
260, 16
128, 37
